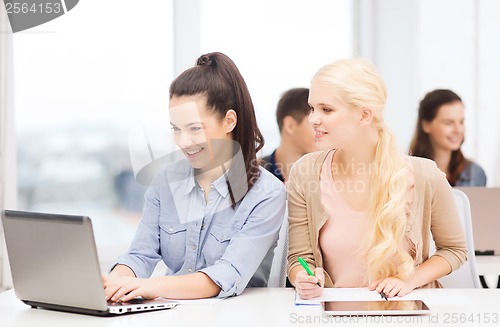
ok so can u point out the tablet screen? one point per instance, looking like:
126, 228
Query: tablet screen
365, 308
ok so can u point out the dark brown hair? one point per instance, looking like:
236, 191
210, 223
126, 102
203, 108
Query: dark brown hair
216, 76
421, 145
293, 103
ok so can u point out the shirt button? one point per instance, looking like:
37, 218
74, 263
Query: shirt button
210, 202
190, 270
170, 229
194, 247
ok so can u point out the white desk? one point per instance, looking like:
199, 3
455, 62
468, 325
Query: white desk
488, 264
269, 307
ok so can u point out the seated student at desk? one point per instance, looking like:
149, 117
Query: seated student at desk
361, 213
439, 135
214, 218
297, 135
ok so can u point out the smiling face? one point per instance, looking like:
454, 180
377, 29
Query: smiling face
446, 130
203, 137
335, 124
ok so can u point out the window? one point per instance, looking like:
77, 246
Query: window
81, 81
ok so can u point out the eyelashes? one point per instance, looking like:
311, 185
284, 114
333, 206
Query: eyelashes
191, 129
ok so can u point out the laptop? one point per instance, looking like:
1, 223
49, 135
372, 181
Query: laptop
54, 264
485, 211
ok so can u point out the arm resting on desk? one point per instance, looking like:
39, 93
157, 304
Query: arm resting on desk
124, 286
431, 269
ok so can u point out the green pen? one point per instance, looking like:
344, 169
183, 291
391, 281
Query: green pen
306, 267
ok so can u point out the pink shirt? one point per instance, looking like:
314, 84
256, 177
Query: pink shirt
432, 213
340, 236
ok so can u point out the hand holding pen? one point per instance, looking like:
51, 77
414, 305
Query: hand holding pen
306, 267
308, 283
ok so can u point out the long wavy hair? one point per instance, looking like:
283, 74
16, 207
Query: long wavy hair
421, 145
357, 83
216, 76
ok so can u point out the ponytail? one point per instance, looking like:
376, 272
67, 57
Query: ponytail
389, 191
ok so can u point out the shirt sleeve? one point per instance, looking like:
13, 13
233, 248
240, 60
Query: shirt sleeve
144, 252
299, 244
249, 246
478, 176
446, 228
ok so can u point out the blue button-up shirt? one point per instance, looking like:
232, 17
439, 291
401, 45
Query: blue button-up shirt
472, 175
234, 247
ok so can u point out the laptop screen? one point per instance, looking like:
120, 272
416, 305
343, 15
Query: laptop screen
485, 211
53, 258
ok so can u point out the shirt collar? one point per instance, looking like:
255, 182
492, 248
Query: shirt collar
190, 182
274, 168
220, 184
235, 176
465, 175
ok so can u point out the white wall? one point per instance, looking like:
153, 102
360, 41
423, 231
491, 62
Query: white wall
186, 48
448, 56
422, 45
387, 29
277, 45
488, 99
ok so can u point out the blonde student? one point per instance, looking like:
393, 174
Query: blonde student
361, 214
214, 217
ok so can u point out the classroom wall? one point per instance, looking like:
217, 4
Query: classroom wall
277, 45
422, 45
488, 100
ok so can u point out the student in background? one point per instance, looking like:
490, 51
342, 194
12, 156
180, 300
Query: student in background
297, 139
361, 213
440, 133
212, 218
297, 135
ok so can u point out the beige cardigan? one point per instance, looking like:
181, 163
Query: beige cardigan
433, 210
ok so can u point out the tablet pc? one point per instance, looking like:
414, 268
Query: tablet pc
375, 308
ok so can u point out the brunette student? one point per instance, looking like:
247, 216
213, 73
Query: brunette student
214, 217
361, 213
439, 135
296, 134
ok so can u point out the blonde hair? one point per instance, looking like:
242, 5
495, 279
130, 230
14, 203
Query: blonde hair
357, 83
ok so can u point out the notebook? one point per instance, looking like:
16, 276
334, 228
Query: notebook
54, 264
485, 211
